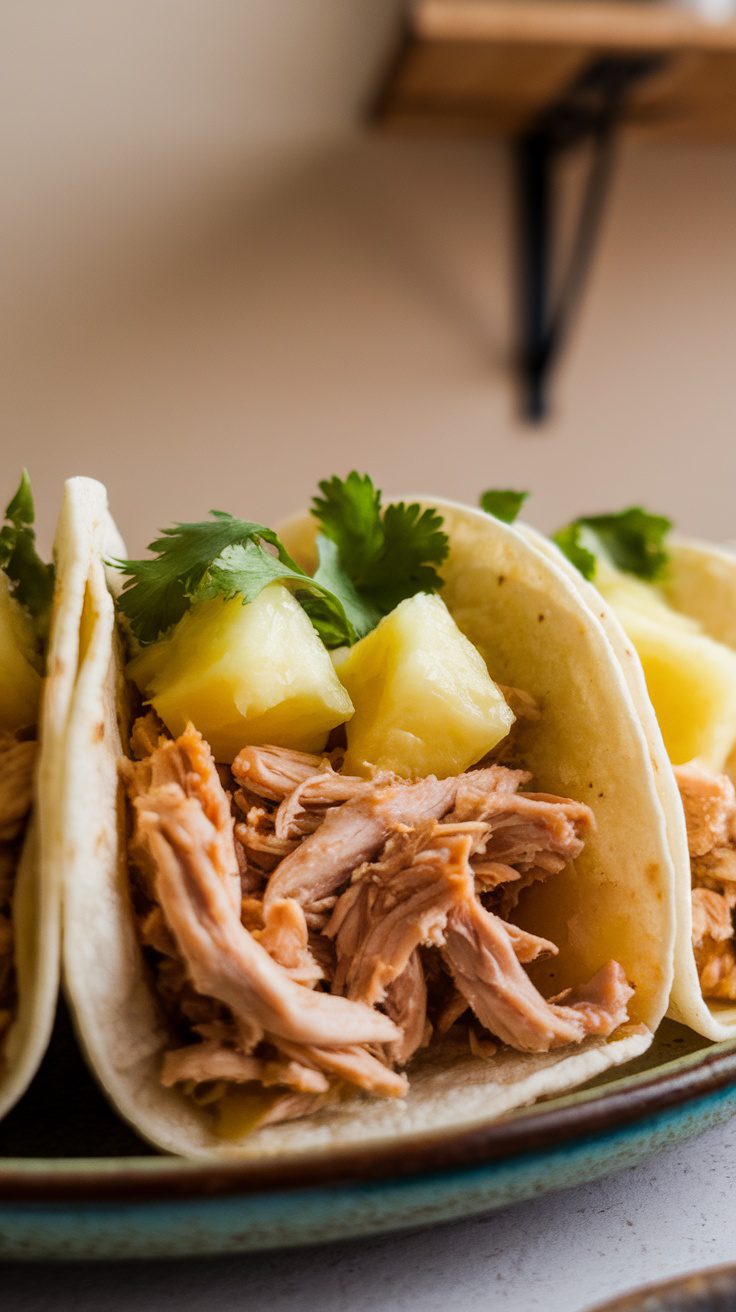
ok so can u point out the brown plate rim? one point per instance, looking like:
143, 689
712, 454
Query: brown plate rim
683, 1293
476, 1146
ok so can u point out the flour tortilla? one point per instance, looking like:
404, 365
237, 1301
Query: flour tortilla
37, 893
530, 623
701, 583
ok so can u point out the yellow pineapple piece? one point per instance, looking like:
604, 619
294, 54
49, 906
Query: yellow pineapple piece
20, 681
424, 700
627, 594
245, 674
691, 679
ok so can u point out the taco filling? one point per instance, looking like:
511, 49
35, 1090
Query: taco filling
25, 596
691, 680
709, 802
17, 762
327, 855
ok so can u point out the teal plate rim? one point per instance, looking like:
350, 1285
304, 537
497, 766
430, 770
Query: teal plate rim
629, 1100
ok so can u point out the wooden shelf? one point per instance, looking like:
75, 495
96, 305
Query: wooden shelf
553, 76
493, 66
605, 24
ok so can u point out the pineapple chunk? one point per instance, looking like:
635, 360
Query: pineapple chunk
691, 679
245, 674
424, 700
627, 594
20, 681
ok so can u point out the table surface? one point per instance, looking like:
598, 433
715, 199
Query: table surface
563, 1253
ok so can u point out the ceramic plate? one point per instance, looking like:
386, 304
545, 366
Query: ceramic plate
704, 1291
77, 1183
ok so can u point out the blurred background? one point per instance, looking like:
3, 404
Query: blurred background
223, 279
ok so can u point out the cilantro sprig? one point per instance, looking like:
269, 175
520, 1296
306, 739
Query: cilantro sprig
633, 540
191, 561
32, 581
503, 503
387, 555
244, 570
369, 559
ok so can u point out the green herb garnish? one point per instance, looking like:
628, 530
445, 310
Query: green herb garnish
503, 503
387, 555
32, 582
244, 571
569, 540
632, 540
368, 561
157, 592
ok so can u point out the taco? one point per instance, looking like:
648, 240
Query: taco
38, 658
670, 615
363, 840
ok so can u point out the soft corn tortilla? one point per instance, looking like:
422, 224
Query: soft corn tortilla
701, 583
536, 633
37, 894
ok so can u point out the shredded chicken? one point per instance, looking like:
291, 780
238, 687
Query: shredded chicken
528, 947
405, 1001
222, 958
355, 1065
202, 1062
183, 833
274, 772
286, 938
310, 929
354, 833
17, 764
148, 732
526, 831
292, 1106
481, 958
709, 803
518, 838
381, 919
454, 1006
305, 808
526, 710
711, 916
261, 845
524, 706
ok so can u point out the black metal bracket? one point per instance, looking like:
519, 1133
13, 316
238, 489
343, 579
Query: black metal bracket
589, 112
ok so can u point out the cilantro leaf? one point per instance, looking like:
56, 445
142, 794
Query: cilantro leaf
349, 514
245, 570
568, 539
503, 503
21, 510
157, 592
387, 555
360, 614
32, 581
633, 540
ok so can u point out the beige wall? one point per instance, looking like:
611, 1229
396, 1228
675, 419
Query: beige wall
217, 289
